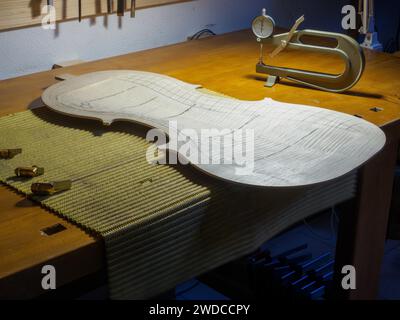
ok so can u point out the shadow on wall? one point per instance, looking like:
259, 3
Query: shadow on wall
326, 15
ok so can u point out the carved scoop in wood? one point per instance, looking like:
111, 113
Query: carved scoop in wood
293, 145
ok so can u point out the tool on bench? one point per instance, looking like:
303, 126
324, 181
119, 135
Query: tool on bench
80, 10
9, 153
347, 49
29, 172
121, 4
133, 8
110, 6
49, 188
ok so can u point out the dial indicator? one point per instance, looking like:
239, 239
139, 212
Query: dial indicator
263, 26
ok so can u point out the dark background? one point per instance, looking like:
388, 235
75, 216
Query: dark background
326, 15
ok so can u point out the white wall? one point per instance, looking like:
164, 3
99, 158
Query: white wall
34, 49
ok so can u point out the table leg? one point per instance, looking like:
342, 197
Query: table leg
363, 225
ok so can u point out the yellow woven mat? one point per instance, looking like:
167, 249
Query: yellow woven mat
161, 224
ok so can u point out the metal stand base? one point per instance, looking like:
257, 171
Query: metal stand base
371, 42
271, 81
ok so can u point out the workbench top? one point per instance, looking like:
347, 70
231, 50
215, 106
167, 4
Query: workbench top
225, 64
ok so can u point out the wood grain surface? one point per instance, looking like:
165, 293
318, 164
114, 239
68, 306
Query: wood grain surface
280, 144
224, 64
25, 249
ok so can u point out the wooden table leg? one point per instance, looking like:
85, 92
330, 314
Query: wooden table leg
363, 225
394, 219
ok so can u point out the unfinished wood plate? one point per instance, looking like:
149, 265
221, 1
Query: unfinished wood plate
294, 145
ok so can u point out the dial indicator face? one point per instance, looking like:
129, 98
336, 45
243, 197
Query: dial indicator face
263, 26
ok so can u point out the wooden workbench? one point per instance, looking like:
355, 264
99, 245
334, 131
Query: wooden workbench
225, 64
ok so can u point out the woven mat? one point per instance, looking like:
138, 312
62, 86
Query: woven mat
161, 224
